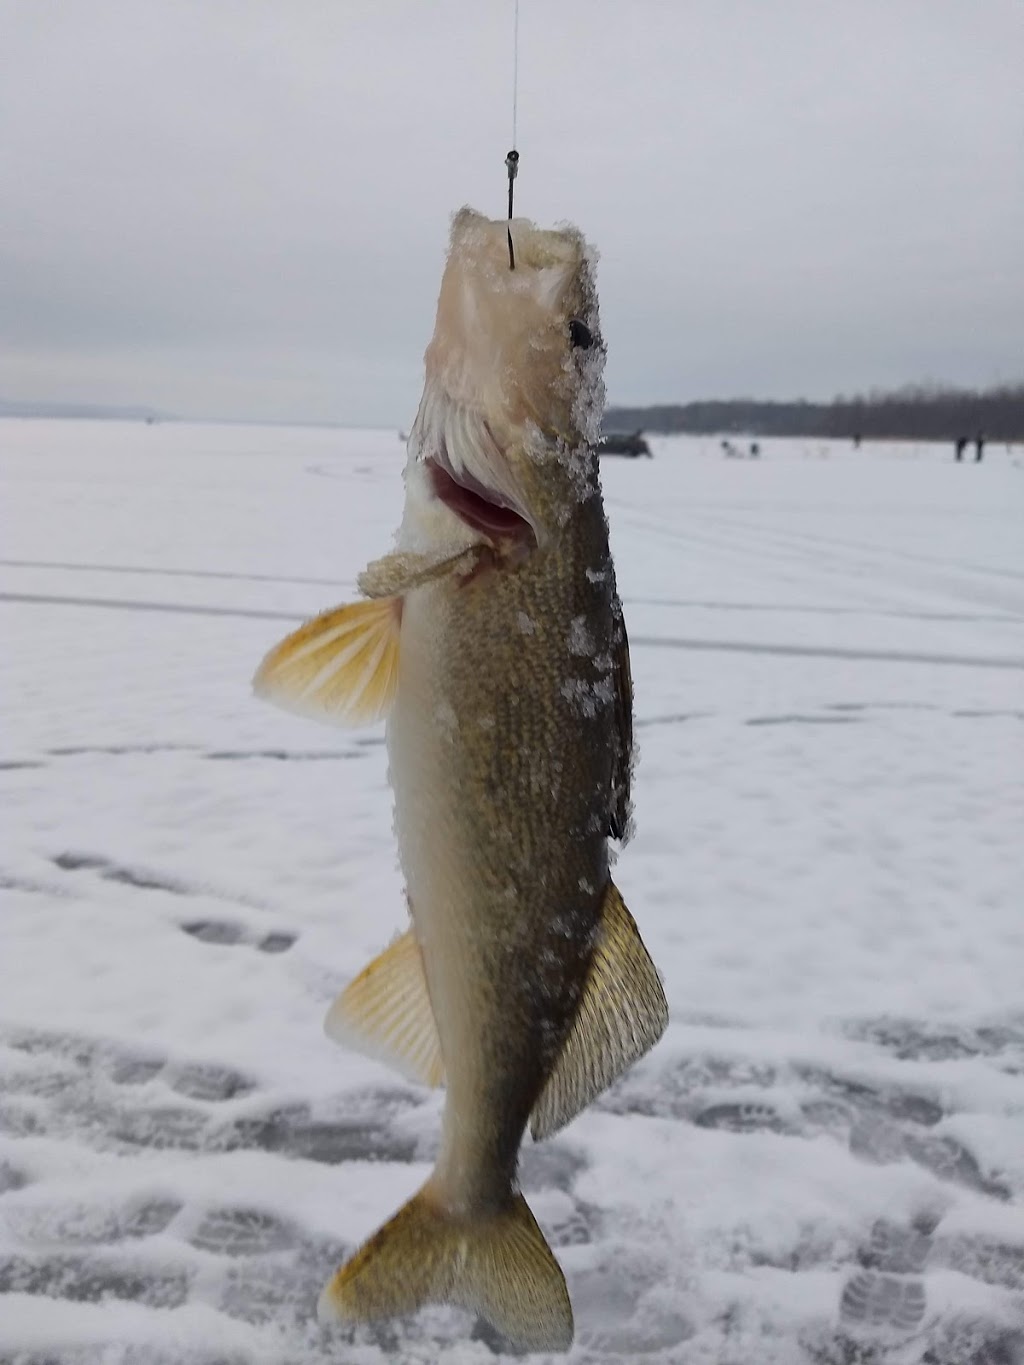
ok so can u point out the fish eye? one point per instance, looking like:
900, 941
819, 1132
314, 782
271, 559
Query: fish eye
580, 335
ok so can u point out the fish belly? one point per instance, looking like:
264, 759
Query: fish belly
496, 786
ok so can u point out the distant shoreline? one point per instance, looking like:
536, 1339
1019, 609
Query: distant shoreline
43, 413
922, 413
913, 414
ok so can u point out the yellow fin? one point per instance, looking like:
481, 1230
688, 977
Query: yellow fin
621, 1015
341, 667
385, 1013
499, 1266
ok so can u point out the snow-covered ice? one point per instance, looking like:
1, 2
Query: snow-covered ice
822, 1162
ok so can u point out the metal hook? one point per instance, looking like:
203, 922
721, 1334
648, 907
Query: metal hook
512, 166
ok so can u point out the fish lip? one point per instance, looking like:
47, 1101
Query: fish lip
481, 508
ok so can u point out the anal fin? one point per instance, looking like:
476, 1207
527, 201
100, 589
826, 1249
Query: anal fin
621, 1015
341, 667
385, 1013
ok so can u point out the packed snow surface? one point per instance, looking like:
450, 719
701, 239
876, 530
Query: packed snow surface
821, 1163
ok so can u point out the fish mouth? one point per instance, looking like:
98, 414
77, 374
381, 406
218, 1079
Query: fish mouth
481, 508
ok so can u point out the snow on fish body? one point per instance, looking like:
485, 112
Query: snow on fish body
493, 641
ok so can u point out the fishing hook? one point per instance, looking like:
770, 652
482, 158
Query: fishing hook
512, 165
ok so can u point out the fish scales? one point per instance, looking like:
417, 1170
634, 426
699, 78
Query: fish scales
502, 811
492, 641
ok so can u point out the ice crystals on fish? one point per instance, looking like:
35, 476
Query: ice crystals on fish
501, 663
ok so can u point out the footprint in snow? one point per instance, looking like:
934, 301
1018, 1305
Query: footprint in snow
91, 1224
883, 1143
742, 1118
229, 933
873, 1301
216, 931
204, 1081
11, 1178
243, 1232
366, 1133
92, 1278
974, 1342
857, 1099
888, 1291
281, 1289
916, 1040
985, 1259
617, 1313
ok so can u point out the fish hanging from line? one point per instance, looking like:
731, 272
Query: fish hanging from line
492, 639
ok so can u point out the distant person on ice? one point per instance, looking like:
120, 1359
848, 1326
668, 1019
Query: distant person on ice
961, 445
979, 447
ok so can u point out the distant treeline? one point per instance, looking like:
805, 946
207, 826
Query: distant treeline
911, 414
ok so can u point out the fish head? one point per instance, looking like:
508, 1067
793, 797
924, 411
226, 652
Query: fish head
504, 444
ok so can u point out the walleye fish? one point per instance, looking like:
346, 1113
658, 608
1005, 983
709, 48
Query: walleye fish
492, 639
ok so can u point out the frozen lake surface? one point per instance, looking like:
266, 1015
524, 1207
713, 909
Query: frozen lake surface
823, 1161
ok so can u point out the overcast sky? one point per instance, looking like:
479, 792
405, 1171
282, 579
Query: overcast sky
240, 207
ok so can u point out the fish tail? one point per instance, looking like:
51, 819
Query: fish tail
498, 1265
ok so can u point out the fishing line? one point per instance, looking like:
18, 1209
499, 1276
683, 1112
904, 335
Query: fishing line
515, 73
512, 160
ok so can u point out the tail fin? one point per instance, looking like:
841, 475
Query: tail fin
499, 1266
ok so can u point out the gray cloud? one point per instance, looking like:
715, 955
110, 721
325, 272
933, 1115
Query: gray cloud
241, 206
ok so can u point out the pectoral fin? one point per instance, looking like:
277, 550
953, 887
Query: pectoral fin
398, 573
621, 1015
385, 1013
341, 667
